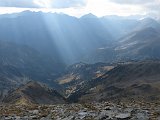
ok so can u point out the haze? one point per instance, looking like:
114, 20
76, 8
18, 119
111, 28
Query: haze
80, 7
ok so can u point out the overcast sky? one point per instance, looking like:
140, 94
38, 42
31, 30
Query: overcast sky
81, 7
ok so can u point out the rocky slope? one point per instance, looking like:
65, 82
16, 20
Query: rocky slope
33, 93
88, 111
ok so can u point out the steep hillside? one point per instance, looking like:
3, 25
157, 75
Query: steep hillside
33, 92
143, 44
147, 23
138, 45
137, 81
19, 64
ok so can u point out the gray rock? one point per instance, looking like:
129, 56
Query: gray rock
123, 116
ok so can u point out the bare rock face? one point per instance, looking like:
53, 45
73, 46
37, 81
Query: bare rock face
33, 92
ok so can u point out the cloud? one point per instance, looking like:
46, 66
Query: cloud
42, 3
150, 7
68, 3
97, 7
18, 3
146, 4
132, 1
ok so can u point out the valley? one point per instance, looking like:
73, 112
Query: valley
86, 68
121, 91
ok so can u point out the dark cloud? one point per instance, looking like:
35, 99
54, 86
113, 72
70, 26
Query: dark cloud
34, 3
18, 3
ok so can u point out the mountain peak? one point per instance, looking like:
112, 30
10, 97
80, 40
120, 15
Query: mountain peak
148, 20
89, 15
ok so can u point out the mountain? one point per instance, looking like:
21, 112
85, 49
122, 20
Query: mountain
38, 46
128, 82
52, 33
147, 23
78, 74
93, 26
20, 64
33, 93
137, 45
142, 44
71, 40
119, 26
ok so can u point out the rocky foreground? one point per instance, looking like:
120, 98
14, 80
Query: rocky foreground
87, 111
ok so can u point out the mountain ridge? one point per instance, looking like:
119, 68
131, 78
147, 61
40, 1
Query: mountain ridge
33, 93
127, 82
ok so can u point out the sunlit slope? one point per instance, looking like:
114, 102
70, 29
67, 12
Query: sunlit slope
138, 45
75, 76
127, 82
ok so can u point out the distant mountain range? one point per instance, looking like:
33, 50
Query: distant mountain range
70, 39
78, 57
